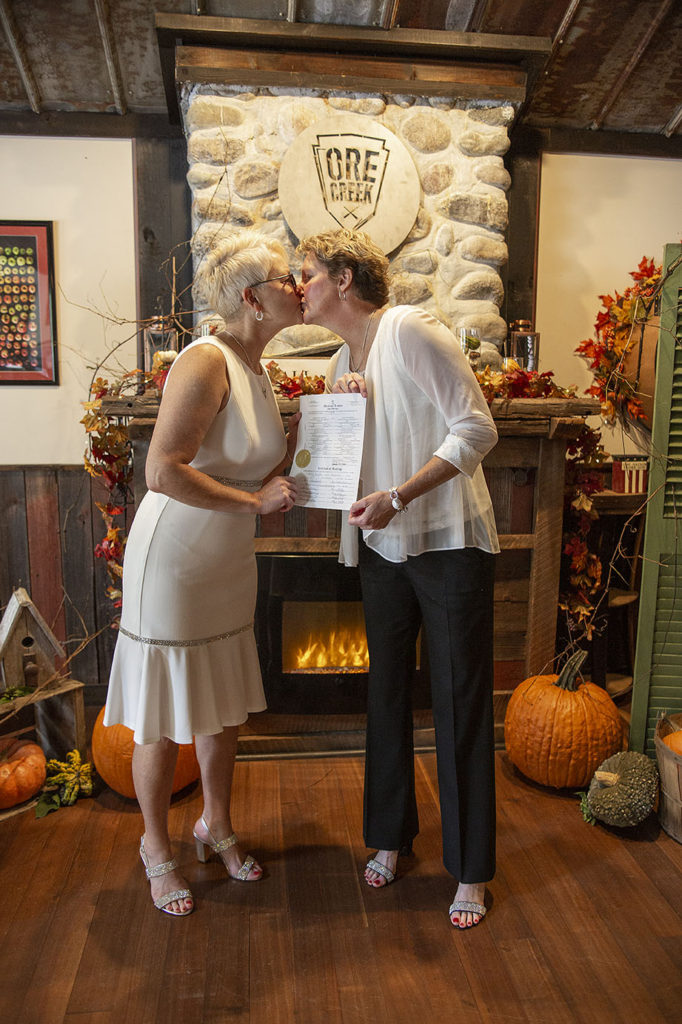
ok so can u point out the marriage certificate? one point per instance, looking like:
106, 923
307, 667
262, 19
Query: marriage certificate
328, 454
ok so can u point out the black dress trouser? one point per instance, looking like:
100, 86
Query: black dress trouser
451, 593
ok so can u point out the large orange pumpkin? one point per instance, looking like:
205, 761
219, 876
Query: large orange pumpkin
112, 752
22, 771
557, 732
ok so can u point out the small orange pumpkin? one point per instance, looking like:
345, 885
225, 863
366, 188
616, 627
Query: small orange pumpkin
674, 741
558, 733
22, 771
112, 752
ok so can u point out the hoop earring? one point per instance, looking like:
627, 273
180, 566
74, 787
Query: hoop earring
259, 315
342, 295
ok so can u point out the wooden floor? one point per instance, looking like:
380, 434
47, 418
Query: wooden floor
584, 924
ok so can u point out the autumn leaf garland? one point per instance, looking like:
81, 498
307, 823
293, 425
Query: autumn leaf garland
108, 457
614, 337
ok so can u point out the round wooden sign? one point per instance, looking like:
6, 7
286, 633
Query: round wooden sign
351, 173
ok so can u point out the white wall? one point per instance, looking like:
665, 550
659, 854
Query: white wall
85, 187
598, 216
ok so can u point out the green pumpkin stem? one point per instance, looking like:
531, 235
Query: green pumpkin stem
569, 673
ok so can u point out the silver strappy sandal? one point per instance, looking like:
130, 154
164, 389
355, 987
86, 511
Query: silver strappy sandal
465, 907
205, 849
164, 869
381, 869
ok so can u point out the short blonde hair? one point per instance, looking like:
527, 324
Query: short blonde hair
355, 251
235, 262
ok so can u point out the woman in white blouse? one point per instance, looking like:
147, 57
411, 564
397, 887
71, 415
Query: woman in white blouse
423, 534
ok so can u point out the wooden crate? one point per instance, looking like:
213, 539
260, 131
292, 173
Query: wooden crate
58, 718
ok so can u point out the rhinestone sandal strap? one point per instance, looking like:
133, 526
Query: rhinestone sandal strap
465, 907
161, 869
177, 894
245, 869
224, 844
381, 869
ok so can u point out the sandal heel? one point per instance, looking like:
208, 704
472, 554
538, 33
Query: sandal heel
203, 850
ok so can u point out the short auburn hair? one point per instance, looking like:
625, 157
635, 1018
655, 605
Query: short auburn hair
355, 251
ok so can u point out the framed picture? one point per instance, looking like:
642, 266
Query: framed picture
28, 329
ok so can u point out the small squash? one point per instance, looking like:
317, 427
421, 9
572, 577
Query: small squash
112, 752
624, 789
22, 771
673, 739
557, 732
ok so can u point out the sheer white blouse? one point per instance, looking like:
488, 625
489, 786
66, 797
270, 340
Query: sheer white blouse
423, 400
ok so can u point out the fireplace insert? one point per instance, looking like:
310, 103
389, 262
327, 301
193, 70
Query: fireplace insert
311, 638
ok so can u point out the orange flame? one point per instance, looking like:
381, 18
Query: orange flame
341, 649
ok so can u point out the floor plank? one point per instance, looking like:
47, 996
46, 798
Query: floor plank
584, 923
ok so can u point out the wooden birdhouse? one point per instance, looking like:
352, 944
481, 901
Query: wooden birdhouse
28, 648
30, 656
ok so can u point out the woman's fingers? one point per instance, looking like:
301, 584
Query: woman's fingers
350, 384
278, 495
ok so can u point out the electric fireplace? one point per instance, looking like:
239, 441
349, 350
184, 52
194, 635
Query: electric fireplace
311, 638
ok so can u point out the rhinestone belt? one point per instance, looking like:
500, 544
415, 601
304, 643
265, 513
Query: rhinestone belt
185, 643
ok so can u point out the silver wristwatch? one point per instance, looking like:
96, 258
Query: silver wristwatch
396, 500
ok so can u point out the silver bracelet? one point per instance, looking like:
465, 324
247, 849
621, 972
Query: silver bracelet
396, 500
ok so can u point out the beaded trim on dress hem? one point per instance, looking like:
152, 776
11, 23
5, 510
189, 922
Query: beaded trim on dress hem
184, 643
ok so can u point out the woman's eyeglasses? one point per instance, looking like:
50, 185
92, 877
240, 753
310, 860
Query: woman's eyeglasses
287, 278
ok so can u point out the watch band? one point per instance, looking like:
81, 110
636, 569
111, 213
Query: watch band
396, 500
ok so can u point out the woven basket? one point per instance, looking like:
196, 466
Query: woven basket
670, 771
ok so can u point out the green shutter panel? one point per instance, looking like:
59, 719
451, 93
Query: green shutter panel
657, 682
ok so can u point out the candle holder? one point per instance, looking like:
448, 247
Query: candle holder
525, 349
159, 336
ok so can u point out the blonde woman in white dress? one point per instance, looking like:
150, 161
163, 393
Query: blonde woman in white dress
185, 663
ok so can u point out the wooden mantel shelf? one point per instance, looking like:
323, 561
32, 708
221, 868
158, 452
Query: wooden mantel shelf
503, 409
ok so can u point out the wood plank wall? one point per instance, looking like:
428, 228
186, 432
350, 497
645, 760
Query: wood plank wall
50, 526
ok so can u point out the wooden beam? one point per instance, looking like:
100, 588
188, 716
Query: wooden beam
519, 275
636, 57
479, 9
674, 123
239, 32
566, 22
389, 13
111, 55
527, 139
85, 124
525, 52
16, 46
260, 68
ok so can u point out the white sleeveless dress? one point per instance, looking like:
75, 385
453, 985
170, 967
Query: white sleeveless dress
185, 661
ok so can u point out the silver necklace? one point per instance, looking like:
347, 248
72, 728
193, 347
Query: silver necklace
355, 369
261, 375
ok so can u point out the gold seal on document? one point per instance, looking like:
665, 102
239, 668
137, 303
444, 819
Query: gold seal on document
303, 458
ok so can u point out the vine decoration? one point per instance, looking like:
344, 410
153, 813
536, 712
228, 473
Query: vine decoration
580, 582
108, 457
615, 336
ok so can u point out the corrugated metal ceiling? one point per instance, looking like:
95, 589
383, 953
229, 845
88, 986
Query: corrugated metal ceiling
613, 66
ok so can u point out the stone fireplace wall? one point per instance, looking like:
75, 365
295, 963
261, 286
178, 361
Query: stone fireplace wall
449, 264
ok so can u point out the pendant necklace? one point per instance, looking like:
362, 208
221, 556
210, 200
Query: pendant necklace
261, 375
352, 368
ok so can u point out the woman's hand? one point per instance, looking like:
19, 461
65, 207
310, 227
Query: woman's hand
350, 384
277, 495
373, 512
